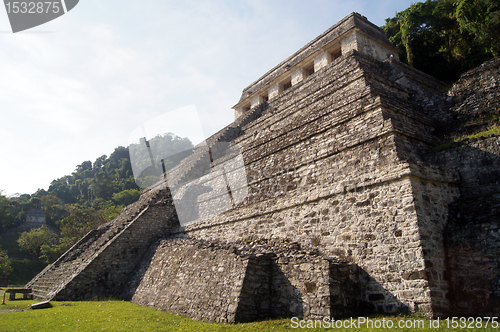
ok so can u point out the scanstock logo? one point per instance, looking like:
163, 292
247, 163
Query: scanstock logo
25, 15
204, 181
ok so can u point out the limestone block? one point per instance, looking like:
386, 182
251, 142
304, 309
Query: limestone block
255, 101
321, 61
297, 76
274, 91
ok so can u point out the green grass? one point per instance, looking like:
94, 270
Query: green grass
491, 130
18, 297
491, 118
495, 129
114, 315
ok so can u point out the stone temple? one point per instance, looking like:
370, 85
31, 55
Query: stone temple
35, 218
349, 206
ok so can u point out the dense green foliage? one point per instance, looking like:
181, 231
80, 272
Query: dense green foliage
5, 265
92, 183
13, 210
23, 270
74, 204
108, 179
32, 241
446, 37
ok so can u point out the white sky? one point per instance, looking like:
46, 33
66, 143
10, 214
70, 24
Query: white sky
75, 88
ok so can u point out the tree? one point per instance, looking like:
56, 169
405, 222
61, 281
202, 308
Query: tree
446, 37
60, 189
85, 166
426, 33
80, 222
6, 217
5, 267
12, 213
54, 208
32, 241
104, 185
50, 253
481, 18
168, 151
127, 197
99, 162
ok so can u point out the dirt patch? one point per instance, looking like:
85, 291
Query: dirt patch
3, 311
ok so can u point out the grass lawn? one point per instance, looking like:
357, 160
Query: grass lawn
115, 315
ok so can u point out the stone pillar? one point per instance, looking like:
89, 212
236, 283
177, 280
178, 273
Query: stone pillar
238, 112
298, 76
255, 101
320, 61
274, 91
363, 43
349, 43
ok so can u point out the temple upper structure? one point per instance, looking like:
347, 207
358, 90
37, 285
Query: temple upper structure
354, 32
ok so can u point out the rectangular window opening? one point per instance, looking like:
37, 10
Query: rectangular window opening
336, 54
287, 85
309, 70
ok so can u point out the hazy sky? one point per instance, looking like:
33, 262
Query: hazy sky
75, 88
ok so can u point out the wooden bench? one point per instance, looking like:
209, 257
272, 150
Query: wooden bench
27, 293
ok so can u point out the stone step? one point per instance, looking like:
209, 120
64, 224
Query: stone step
49, 282
61, 273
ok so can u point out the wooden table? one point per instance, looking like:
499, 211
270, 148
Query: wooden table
27, 293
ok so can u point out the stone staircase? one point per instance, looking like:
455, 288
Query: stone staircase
191, 167
57, 275
199, 163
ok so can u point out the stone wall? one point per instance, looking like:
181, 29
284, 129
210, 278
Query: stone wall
472, 234
108, 272
471, 105
98, 264
331, 164
191, 278
432, 199
474, 268
478, 91
240, 281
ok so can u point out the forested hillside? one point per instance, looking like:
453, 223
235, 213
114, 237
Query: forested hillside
74, 204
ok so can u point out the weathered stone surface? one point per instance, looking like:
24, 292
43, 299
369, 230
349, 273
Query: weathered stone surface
243, 281
350, 207
99, 264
